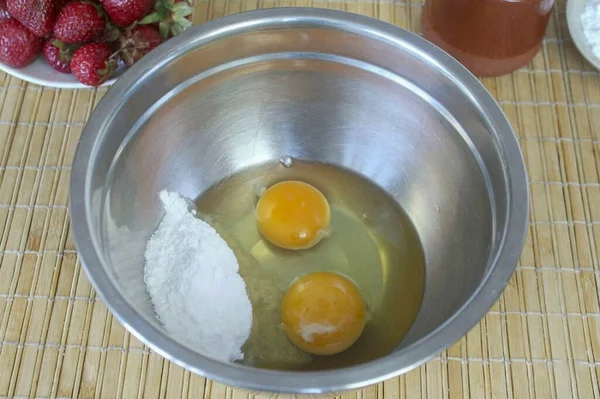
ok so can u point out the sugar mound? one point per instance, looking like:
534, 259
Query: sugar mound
192, 277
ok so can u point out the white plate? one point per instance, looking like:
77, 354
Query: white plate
574, 11
39, 72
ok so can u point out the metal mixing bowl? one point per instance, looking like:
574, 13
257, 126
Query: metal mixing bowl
316, 85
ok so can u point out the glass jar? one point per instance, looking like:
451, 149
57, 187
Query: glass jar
489, 37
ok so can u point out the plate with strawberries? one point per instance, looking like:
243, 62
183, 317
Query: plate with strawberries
81, 43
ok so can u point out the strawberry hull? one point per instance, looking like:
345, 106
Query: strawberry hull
137, 42
58, 55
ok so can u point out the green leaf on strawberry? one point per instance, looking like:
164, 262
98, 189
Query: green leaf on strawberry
172, 17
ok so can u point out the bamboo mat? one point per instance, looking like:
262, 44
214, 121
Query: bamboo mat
542, 338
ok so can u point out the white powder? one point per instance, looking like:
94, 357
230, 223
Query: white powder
192, 277
590, 20
308, 331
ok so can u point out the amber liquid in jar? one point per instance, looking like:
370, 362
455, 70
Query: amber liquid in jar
489, 37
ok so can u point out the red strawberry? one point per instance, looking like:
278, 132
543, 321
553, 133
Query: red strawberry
4, 15
36, 15
92, 64
125, 12
79, 22
58, 54
172, 17
136, 42
18, 46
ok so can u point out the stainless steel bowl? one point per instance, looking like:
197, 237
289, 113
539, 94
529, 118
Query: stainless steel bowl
317, 85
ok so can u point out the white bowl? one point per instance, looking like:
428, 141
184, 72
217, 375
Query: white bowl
574, 10
39, 72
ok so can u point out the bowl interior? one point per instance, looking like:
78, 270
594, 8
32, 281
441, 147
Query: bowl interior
320, 108
367, 102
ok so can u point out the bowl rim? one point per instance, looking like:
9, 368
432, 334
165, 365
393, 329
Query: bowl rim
497, 275
39, 72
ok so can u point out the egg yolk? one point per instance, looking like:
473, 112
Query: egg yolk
323, 313
292, 215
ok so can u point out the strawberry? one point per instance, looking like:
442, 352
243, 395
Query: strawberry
36, 15
4, 15
92, 64
18, 46
58, 54
137, 42
123, 13
172, 17
79, 22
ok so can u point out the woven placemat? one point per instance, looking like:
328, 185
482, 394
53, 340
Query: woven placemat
542, 338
